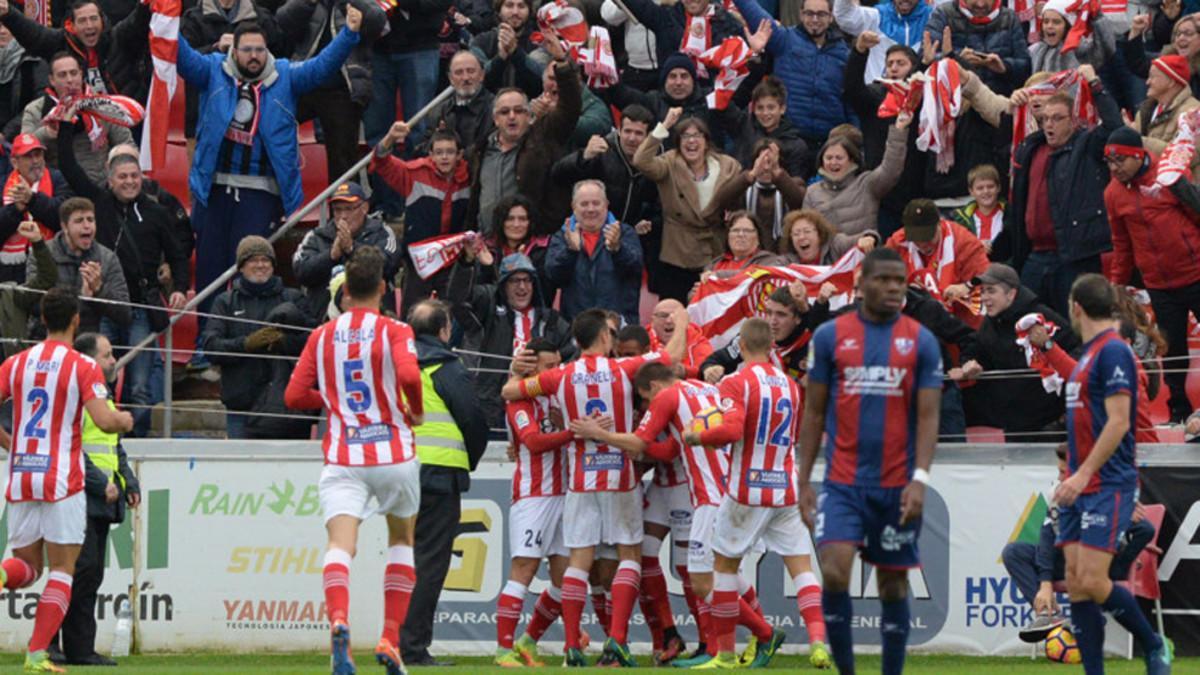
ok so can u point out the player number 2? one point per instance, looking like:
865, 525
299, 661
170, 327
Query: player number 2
39, 401
358, 394
780, 435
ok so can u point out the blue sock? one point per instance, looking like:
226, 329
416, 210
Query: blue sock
838, 613
894, 631
1087, 623
1125, 610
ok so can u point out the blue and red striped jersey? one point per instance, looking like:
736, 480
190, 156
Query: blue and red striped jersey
873, 371
1107, 368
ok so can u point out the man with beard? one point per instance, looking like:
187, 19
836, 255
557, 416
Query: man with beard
469, 113
32, 193
244, 176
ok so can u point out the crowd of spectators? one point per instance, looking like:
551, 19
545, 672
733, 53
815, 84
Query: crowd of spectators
1041, 162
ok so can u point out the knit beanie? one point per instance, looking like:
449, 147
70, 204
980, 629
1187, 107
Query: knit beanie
1175, 67
1063, 8
254, 245
676, 60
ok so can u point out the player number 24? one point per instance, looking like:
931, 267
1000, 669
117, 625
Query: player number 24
780, 435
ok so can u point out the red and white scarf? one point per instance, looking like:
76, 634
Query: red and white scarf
567, 22
1069, 81
94, 109
435, 254
1085, 12
164, 50
901, 95
940, 264
1036, 358
16, 247
597, 59
941, 103
522, 329
980, 20
697, 37
1176, 161
729, 60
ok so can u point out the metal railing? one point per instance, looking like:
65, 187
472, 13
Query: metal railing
220, 282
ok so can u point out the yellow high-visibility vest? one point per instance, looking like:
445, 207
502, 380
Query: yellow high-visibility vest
439, 441
101, 448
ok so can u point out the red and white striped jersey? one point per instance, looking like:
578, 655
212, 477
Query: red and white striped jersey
541, 456
49, 384
762, 468
590, 386
669, 474
360, 363
673, 409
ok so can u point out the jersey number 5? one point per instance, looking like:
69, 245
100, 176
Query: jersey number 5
780, 435
358, 394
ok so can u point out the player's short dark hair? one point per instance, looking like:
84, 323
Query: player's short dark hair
63, 54
247, 28
429, 317
364, 271
74, 205
879, 255
588, 326
636, 112
636, 333
1095, 295
652, 372
770, 87
784, 297
756, 335
59, 307
87, 344
541, 345
444, 135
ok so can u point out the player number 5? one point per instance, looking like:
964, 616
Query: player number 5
358, 394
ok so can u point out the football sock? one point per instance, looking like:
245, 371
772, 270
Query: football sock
838, 613
1087, 623
508, 613
336, 577
893, 630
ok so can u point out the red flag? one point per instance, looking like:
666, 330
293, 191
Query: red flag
164, 49
729, 60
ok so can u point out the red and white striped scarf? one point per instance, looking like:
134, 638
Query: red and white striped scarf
432, 255
597, 59
1069, 81
941, 103
1176, 161
164, 49
940, 264
729, 60
1036, 358
1085, 12
980, 20
522, 329
16, 248
560, 18
901, 95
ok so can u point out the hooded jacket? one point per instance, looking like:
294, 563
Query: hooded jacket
122, 55
307, 24
283, 82
1156, 233
487, 320
456, 387
242, 378
112, 281
1013, 403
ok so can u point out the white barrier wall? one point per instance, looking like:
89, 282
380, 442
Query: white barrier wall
229, 549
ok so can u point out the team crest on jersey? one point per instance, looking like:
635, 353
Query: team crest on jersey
522, 419
904, 345
726, 404
99, 390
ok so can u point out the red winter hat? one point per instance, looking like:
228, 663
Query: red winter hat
1175, 67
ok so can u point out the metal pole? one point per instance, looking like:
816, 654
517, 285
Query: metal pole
220, 281
168, 383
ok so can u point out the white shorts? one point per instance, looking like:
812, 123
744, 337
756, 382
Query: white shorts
700, 553
535, 527
739, 527
670, 506
345, 490
60, 522
595, 518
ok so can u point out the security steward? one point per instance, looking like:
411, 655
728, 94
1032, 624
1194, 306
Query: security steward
449, 444
110, 485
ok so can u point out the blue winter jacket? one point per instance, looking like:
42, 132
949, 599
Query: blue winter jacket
907, 29
605, 279
277, 121
812, 74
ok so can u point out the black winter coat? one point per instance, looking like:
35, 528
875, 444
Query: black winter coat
270, 394
415, 26
307, 28
744, 130
631, 196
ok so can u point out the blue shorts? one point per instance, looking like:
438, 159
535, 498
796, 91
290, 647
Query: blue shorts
1097, 520
869, 518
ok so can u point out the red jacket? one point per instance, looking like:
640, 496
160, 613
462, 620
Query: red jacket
698, 348
1156, 233
959, 264
434, 204
1143, 427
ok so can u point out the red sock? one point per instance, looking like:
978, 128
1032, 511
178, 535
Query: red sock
754, 621
574, 596
19, 573
808, 599
508, 613
751, 598
652, 577
546, 611
624, 593
690, 597
51, 609
600, 606
724, 612
706, 627
336, 577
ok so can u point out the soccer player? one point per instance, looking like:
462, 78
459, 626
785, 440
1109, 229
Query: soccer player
1095, 503
603, 503
356, 367
875, 383
50, 385
675, 405
760, 403
535, 519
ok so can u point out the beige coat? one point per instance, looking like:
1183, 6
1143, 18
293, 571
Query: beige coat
1157, 134
692, 237
852, 203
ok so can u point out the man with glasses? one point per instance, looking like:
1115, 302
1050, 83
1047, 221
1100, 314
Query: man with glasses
1052, 240
244, 172
810, 61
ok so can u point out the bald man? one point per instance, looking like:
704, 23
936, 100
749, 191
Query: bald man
662, 327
